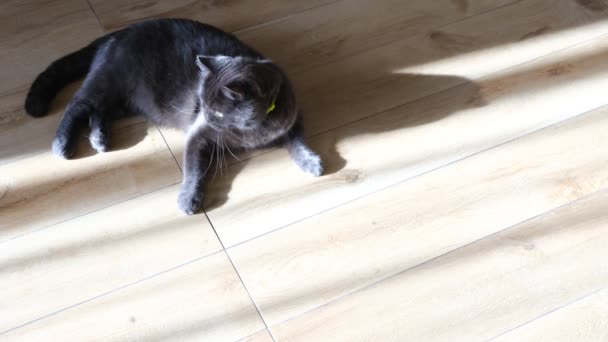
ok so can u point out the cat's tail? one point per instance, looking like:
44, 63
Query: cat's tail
60, 73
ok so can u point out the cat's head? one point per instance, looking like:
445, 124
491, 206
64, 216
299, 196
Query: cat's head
237, 92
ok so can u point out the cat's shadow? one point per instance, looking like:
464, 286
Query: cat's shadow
400, 118
417, 112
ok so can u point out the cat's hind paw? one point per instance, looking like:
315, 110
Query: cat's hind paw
61, 147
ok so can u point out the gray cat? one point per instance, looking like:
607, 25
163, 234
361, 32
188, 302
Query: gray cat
181, 74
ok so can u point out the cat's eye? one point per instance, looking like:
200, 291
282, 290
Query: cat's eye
218, 115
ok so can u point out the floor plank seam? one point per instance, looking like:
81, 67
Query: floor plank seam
110, 292
276, 20
103, 30
257, 308
248, 336
489, 10
576, 300
169, 148
378, 282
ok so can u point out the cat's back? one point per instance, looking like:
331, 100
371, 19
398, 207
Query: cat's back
152, 65
178, 37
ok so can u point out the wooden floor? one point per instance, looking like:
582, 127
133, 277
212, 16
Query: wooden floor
465, 199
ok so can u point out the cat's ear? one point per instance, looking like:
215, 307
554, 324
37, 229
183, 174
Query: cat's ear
234, 91
205, 64
209, 64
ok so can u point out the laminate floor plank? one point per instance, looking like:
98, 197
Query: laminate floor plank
229, 15
479, 290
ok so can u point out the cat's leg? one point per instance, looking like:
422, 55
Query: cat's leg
72, 122
90, 103
198, 157
100, 126
300, 153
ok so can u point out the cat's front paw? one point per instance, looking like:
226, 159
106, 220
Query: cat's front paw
189, 201
310, 163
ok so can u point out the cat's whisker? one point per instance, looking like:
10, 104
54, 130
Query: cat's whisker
210, 162
218, 161
230, 151
219, 149
223, 143
179, 109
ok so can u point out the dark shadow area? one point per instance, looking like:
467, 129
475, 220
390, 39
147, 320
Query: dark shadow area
216, 197
129, 137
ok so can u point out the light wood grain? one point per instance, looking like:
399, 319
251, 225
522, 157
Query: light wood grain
407, 141
229, 15
74, 261
42, 190
318, 36
584, 320
311, 262
201, 301
478, 291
